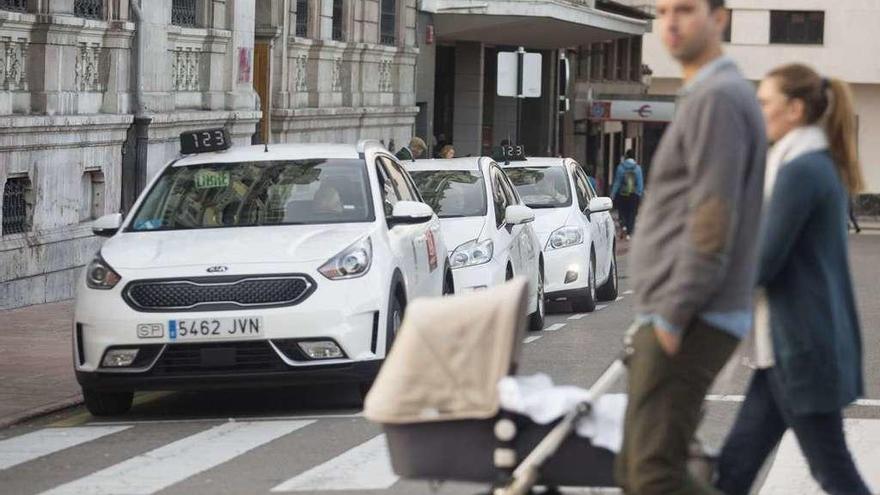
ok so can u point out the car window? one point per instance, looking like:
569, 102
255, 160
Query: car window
499, 200
405, 191
541, 187
453, 193
244, 194
591, 192
582, 189
386, 188
509, 189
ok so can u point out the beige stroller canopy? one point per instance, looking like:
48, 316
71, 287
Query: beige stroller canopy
448, 357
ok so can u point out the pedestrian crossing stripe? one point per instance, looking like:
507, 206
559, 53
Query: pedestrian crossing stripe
365, 467
790, 474
30, 446
160, 468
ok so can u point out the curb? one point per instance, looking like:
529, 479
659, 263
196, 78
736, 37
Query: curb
50, 408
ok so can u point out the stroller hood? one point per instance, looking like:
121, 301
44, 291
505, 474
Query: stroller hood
448, 357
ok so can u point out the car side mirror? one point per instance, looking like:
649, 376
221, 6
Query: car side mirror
108, 225
598, 205
410, 213
518, 215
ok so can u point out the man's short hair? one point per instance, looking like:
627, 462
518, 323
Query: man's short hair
716, 4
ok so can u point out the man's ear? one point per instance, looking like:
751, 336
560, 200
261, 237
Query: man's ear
722, 18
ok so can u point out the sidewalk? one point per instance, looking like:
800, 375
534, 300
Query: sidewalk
36, 362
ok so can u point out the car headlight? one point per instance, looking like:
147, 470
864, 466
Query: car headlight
565, 237
354, 261
472, 253
100, 276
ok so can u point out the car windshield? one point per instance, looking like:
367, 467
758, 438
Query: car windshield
452, 193
541, 187
247, 194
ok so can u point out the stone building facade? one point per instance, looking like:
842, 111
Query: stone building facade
94, 94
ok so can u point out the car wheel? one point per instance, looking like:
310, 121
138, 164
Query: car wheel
587, 302
107, 403
395, 319
536, 319
609, 290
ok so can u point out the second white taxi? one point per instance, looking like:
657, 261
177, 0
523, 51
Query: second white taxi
575, 229
487, 227
247, 267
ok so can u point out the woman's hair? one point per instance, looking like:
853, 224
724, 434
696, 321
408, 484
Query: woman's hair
445, 149
828, 102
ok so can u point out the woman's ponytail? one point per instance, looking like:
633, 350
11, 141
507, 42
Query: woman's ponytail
840, 124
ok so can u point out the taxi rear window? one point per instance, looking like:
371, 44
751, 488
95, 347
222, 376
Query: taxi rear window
452, 193
247, 194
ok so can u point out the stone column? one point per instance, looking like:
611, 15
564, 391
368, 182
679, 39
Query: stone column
51, 59
468, 119
241, 95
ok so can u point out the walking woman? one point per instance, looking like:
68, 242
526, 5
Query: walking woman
808, 347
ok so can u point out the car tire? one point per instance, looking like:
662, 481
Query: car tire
587, 302
609, 290
395, 318
107, 403
448, 283
536, 319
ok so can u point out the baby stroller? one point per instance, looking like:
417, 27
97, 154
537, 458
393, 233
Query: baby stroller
437, 399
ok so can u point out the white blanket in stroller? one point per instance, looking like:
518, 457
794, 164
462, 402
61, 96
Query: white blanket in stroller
538, 399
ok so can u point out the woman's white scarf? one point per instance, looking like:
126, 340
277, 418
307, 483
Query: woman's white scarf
799, 142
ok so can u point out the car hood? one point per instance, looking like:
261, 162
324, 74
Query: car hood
228, 246
457, 231
550, 219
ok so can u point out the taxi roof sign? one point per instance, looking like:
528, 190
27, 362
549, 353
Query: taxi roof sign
510, 153
204, 141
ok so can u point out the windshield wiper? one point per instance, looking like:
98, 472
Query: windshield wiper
542, 206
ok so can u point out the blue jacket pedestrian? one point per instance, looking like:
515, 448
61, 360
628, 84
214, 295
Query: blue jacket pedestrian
628, 179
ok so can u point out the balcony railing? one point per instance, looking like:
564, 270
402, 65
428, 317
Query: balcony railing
14, 5
89, 9
183, 13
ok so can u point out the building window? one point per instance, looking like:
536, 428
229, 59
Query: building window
388, 23
92, 196
610, 56
18, 206
597, 50
635, 60
183, 13
302, 18
797, 27
89, 9
622, 64
338, 12
728, 32
14, 5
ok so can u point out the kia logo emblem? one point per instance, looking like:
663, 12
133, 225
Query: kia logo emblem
218, 269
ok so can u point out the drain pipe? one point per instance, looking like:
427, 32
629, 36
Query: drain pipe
134, 163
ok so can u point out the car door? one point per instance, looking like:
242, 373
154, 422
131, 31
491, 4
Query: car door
596, 222
505, 235
403, 238
425, 236
526, 240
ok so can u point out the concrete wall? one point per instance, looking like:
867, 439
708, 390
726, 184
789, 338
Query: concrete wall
850, 39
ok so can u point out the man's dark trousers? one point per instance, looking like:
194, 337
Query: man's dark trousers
628, 207
666, 395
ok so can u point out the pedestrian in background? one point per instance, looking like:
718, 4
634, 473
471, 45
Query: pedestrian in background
627, 191
807, 347
416, 149
447, 152
694, 255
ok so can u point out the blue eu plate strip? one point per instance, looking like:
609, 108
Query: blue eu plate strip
172, 329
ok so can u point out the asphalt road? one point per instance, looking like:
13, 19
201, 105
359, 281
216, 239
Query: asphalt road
313, 440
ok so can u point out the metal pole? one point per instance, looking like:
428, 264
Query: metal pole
520, 59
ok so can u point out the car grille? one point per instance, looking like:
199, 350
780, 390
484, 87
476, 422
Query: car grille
220, 293
218, 357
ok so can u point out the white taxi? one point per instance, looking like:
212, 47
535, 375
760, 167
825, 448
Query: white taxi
485, 224
575, 229
252, 266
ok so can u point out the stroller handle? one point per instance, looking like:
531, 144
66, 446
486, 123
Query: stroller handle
606, 381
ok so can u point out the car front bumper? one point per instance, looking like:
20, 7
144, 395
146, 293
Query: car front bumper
566, 270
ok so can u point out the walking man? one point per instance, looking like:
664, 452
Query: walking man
694, 257
629, 185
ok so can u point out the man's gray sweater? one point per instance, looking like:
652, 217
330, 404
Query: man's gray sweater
695, 252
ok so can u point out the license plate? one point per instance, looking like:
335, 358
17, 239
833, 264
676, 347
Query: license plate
215, 328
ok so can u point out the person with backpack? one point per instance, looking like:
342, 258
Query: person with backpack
629, 185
